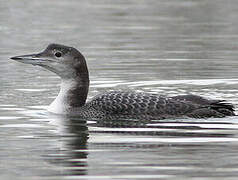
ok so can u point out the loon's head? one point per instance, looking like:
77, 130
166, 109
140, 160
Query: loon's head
66, 62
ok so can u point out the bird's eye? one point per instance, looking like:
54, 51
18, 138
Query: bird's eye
58, 54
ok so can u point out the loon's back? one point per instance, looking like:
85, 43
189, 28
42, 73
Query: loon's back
132, 105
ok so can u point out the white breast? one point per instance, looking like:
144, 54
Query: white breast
60, 104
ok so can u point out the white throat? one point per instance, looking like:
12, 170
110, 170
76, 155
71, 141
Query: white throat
60, 104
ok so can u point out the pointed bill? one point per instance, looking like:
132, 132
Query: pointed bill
34, 59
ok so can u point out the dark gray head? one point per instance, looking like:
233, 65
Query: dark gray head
67, 62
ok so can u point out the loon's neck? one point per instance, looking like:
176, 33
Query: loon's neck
73, 94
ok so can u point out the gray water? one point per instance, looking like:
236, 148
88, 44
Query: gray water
165, 47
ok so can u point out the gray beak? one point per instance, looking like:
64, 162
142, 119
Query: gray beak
34, 59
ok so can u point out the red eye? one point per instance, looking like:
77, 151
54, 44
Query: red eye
58, 54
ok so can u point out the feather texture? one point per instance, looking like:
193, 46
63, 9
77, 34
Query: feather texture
117, 104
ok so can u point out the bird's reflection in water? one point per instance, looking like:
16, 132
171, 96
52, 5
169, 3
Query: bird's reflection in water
70, 153
166, 128
73, 134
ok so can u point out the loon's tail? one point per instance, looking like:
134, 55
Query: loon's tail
223, 107
220, 106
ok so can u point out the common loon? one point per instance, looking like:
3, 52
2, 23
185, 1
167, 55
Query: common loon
70, 65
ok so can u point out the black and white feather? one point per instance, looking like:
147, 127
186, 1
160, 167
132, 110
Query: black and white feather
116, 104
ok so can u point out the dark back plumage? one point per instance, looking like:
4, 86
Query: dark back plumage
134, 105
